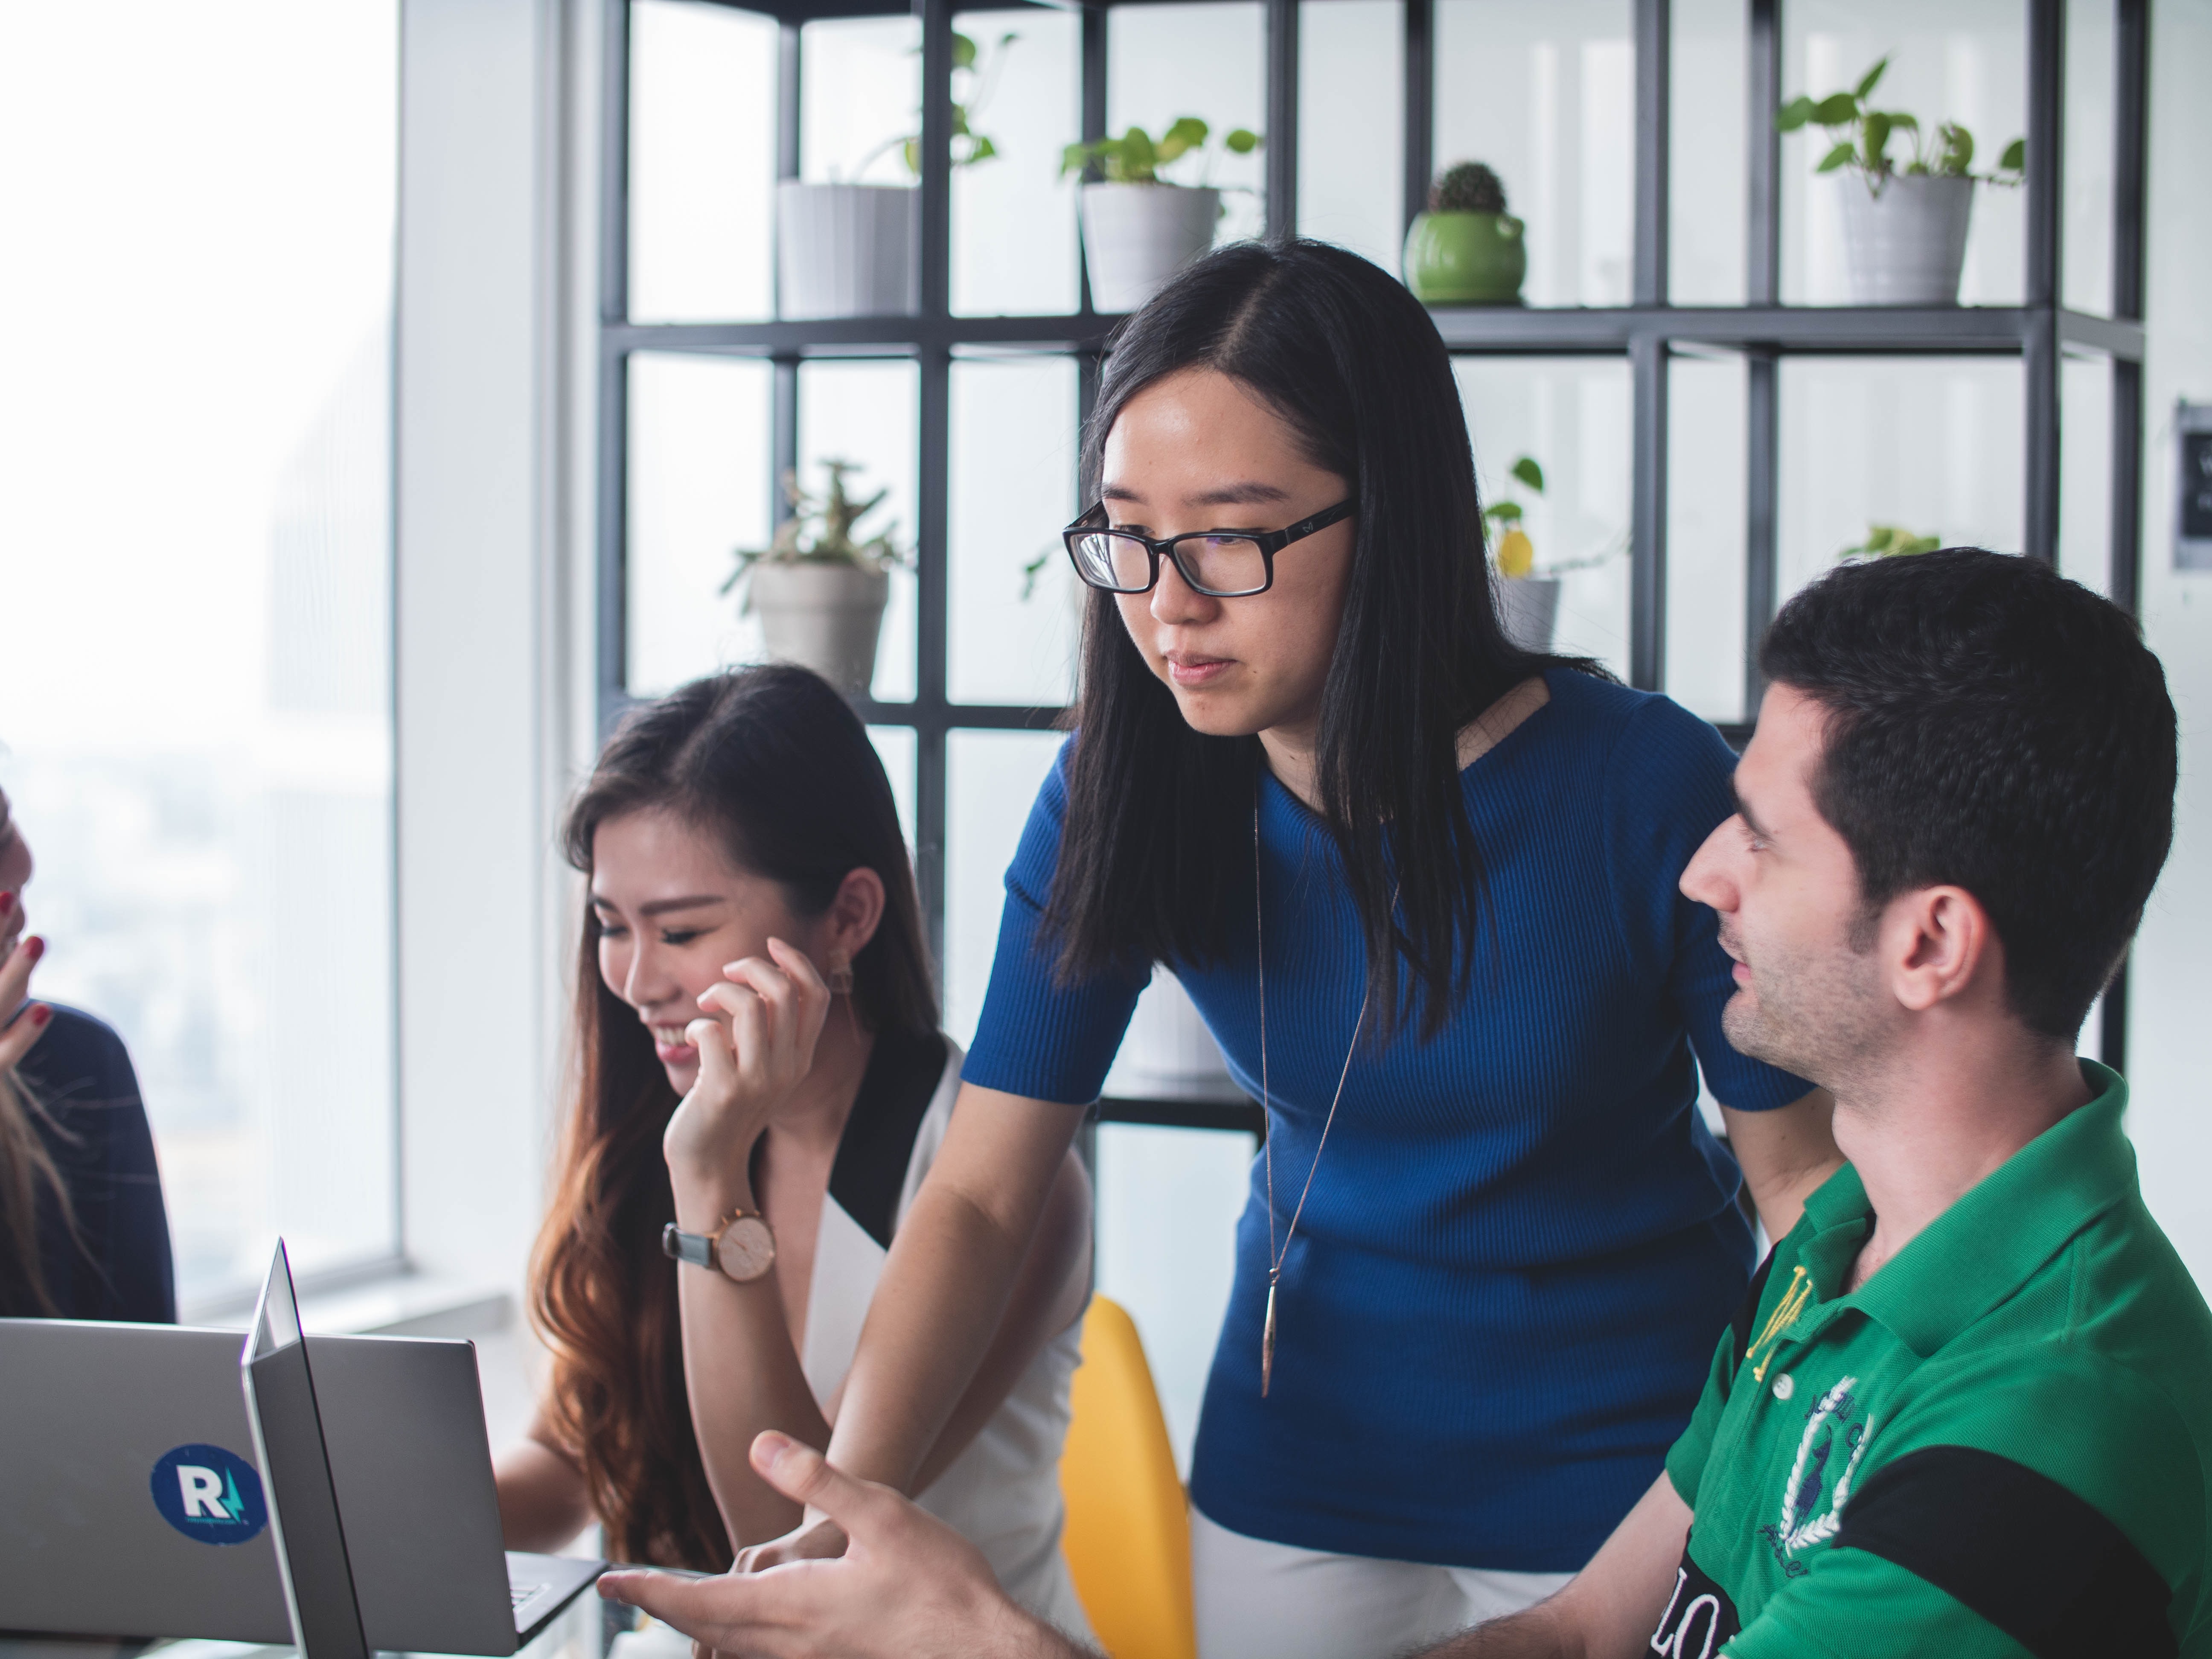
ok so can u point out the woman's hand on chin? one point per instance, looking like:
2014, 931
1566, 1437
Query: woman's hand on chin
756, 1037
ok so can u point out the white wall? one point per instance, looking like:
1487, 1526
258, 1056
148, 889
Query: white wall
488, 703
2170, 1039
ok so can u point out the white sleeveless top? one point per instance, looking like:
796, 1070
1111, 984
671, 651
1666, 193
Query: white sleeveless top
1002, 1494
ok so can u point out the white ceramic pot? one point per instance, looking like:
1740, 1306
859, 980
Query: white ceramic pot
825, 616
1904, 243
1137, 236
847, 250
1528, 609
1168, 1054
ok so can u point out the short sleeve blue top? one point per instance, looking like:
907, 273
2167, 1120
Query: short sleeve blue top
1500, 1305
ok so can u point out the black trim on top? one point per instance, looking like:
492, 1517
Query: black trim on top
873, 1154
2032, 1557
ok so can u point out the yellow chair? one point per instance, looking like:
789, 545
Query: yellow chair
1128, 1539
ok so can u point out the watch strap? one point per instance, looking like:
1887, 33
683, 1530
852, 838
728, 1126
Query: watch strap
697, 1249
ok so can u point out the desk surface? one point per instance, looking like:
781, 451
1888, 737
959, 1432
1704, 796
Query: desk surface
576, 1633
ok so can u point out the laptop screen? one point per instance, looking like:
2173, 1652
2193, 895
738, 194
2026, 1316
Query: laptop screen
303, 1505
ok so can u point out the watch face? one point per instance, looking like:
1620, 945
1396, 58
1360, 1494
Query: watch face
747, 1249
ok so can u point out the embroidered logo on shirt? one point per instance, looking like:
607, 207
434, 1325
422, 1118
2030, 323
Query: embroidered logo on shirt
1778, 1323
1830, 1438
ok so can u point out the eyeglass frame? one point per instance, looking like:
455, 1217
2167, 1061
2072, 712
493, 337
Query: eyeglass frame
1269, 542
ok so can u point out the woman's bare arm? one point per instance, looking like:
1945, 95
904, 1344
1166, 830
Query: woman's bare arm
1785, 1154
543, 1500
954, 1267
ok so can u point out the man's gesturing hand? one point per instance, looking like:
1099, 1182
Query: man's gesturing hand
908, 1586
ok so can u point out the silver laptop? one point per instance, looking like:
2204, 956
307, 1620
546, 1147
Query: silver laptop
137, 1506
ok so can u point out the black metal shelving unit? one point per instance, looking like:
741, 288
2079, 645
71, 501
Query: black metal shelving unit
1646, 332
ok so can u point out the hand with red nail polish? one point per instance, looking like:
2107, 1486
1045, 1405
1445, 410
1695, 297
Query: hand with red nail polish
19, 1026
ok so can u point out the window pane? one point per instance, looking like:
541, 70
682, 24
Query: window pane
1706, 197
1352, 123
195, 481
1165, 62
1933, 446
863, 412
1705, 535
2085, 470
1014, 635
1570, 417
698, 491
701, 162
1949, 60
860, 93
2086, 220
897, 746
1025, 97
1167, 1205
994, 777
1546, 96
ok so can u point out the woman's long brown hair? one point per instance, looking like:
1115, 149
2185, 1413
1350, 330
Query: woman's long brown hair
773, 762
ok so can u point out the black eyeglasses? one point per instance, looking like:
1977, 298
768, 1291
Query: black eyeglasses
1223, 564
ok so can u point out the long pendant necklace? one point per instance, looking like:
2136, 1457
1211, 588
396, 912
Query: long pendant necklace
1277, 1257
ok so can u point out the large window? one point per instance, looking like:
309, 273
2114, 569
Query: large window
195, 670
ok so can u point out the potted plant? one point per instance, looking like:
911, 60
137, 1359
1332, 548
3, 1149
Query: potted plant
854, 250
1527, 603
1905, 218
1466, 249
819, 592
1889, 541
1138, 229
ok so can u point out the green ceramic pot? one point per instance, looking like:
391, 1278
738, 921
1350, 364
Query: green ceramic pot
1466, 258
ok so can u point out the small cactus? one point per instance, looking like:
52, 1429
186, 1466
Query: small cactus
1468, 187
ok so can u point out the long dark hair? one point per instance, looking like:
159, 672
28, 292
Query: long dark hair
773, 762
1157, 846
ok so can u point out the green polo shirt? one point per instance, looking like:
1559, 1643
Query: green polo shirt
1998, 1445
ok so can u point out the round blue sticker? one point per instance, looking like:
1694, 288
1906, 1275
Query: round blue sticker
209, 1494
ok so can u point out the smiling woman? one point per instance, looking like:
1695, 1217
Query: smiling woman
760, 1087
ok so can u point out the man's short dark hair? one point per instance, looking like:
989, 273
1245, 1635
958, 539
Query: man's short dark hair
1994, 726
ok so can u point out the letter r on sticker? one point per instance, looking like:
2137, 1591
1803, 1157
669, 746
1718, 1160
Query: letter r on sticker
201, 1491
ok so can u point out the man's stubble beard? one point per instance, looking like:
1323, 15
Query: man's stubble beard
1814, 1013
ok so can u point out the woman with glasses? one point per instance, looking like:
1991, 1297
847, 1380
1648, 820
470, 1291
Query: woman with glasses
1421, 883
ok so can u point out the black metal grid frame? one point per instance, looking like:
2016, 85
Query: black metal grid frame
1647, 332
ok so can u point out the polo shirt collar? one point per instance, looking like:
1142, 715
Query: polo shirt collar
1997, 1235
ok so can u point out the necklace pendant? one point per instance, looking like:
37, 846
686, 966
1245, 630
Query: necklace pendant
1267, 1344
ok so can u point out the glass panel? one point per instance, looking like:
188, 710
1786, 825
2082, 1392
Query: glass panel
1571, 415
194, 495
1205, 59
1705, 535
1025, 96
859, 94
864, 412
1932, 445
701, 162
2085, 470
1014, 635
993, 778
1952, 60
2085, 270
1167, 1207
899, 748
1706, 200
698, 490
1351, 126
1546, 95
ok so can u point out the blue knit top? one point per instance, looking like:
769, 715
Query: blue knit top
1501, 1302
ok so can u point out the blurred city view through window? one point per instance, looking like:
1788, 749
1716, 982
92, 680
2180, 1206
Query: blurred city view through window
196, 579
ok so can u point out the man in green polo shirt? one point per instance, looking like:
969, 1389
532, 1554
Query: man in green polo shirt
1966, 1409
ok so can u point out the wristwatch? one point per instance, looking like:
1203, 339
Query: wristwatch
743, 1247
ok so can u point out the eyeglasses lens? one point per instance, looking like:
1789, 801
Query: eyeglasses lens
1224, 564
1119, 563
